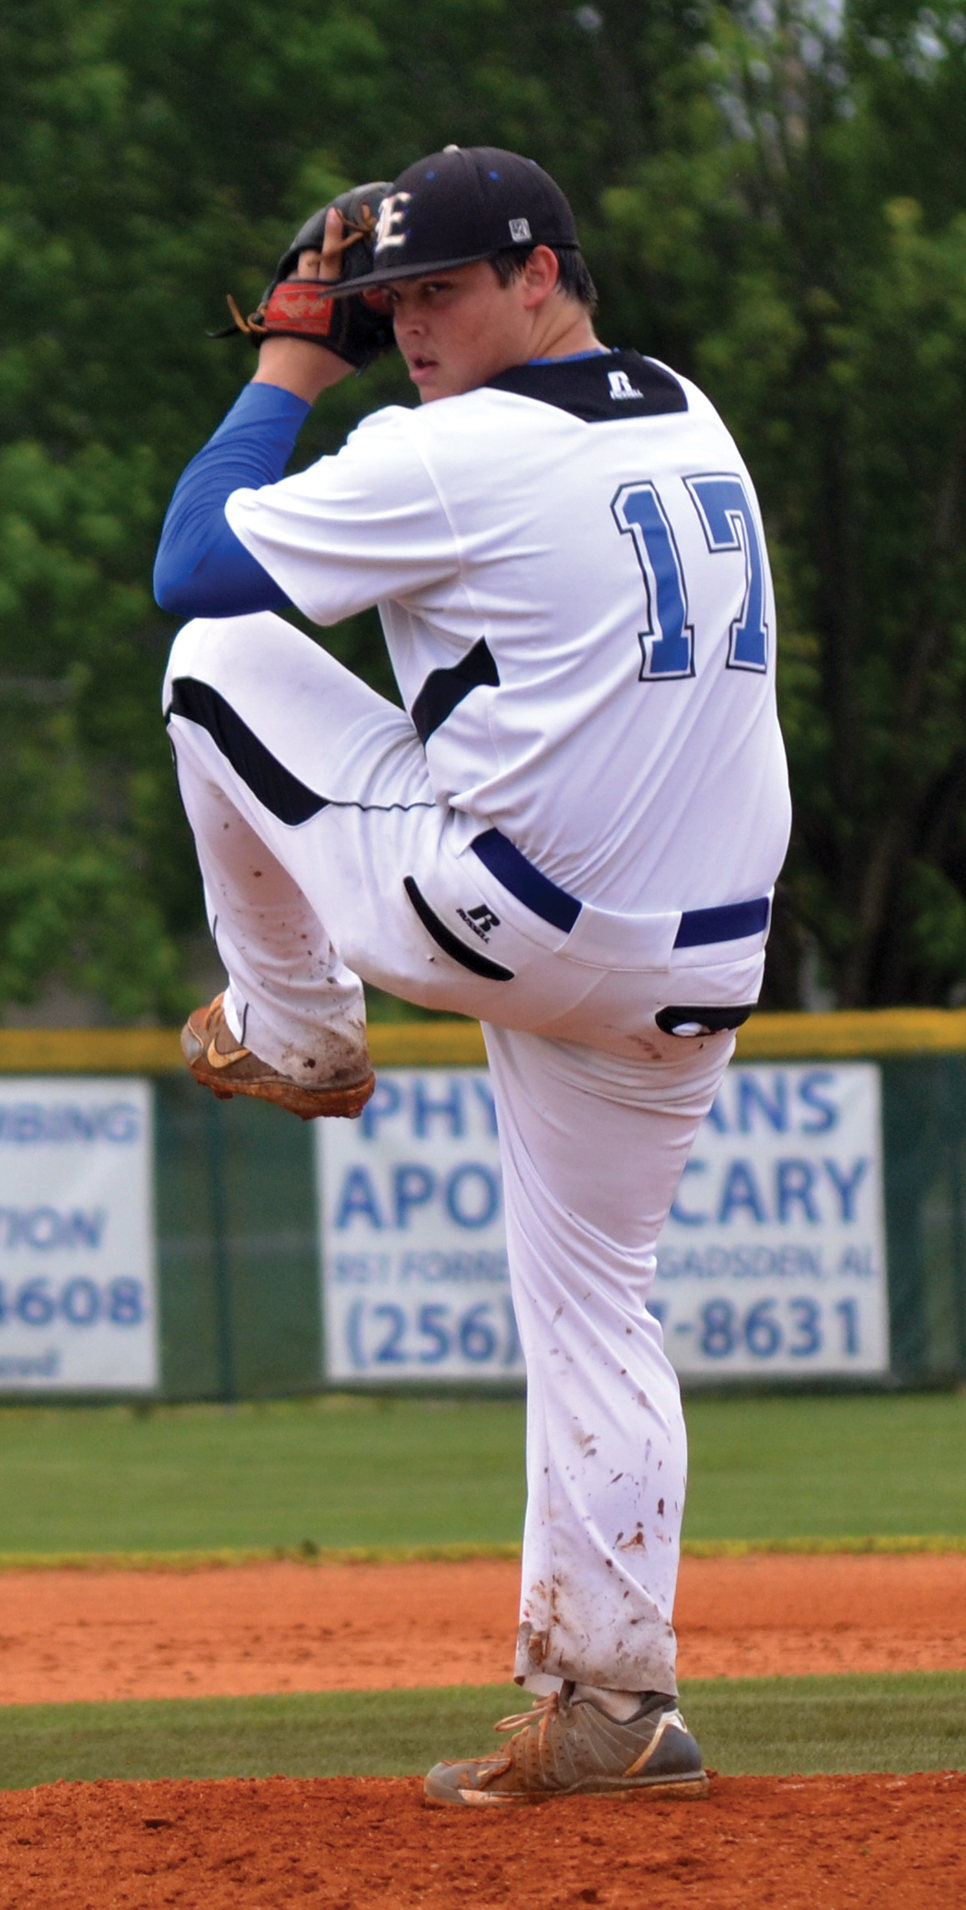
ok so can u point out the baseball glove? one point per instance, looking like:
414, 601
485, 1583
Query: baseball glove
356, 329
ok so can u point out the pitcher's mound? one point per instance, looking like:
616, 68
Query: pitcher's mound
817, 1843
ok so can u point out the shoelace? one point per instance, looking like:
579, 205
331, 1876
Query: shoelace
541, 1712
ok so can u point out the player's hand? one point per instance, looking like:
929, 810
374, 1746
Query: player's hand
325, 262
296, 364
334, 245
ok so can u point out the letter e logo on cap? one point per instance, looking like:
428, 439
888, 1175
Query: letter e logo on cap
391, 215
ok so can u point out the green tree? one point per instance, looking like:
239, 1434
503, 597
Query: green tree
154, 159
804, 253
772, 198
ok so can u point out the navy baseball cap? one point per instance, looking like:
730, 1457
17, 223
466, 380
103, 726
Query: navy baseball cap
459, 206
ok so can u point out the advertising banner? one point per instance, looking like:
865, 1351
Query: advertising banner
771, 1264
773, 1258
415, 1277
78, 1306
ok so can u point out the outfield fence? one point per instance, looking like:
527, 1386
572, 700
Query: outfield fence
227, 1254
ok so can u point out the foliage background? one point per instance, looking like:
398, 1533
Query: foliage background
772, 198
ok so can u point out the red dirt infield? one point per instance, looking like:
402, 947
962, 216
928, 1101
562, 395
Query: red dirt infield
248, 1629
818, 1843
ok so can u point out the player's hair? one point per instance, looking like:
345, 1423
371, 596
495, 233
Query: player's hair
575, 281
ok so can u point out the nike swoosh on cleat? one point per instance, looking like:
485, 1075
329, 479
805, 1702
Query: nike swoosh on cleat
218, 1060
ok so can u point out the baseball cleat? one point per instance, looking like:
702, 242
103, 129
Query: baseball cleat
569, 1746
219, 1062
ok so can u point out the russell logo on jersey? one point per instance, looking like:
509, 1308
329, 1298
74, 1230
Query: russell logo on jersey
621, 387
481, 920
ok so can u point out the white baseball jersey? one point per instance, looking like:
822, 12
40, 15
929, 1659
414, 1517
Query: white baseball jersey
570, 568
571, 572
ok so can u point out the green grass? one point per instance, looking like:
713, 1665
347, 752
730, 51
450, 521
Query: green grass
338, 1471
913, 1721
776, 1468
362, 1472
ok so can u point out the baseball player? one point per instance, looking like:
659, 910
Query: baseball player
571, 831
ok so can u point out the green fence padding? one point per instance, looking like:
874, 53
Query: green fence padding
924, 1139
237, 1253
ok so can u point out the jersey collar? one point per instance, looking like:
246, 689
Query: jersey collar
597, 387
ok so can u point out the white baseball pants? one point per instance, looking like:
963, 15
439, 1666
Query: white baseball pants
311, 808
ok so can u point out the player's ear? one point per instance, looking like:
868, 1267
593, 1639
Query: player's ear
540, 275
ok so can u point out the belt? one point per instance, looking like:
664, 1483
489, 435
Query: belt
518, 874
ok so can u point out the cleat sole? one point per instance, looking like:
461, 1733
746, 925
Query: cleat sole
687, 1789
308, 1103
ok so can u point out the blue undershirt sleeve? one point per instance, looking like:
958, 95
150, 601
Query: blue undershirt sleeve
202, 569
